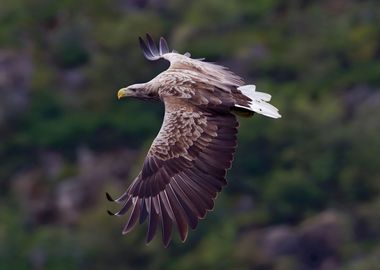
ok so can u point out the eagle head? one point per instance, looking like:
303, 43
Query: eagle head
139, 90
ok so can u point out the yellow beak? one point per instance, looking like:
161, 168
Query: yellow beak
123, 92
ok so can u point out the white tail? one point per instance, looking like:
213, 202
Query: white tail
259, 101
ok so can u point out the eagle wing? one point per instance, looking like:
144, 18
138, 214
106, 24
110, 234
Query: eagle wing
219, 73
246, 100
183, 171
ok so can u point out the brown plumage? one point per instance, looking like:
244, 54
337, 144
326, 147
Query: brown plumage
186, 165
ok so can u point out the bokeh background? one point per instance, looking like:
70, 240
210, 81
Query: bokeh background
304, 191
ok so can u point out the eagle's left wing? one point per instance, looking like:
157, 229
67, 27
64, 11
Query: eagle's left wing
183, 171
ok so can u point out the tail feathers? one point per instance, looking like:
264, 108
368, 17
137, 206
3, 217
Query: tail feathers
250, 91
259, 102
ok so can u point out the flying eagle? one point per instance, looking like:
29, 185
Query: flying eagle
186, 165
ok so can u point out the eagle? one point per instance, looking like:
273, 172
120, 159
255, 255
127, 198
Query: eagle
186, 165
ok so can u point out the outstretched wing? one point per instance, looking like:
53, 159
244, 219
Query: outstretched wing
207, 76
153, 52
183, 171
246, 99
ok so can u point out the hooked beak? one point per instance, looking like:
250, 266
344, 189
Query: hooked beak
123, 92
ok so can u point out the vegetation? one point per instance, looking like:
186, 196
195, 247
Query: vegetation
304, 191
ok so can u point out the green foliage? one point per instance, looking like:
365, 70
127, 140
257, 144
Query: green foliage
318, 59
290, 196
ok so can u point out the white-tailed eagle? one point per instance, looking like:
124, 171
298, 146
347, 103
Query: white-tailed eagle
186, 165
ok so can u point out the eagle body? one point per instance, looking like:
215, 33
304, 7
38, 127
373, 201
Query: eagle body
186, 165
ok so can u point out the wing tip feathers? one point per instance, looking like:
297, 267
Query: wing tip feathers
150, 49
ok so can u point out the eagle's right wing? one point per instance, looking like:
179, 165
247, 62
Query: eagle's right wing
219, 78
219, 73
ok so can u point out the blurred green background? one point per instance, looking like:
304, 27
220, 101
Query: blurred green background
304, 191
